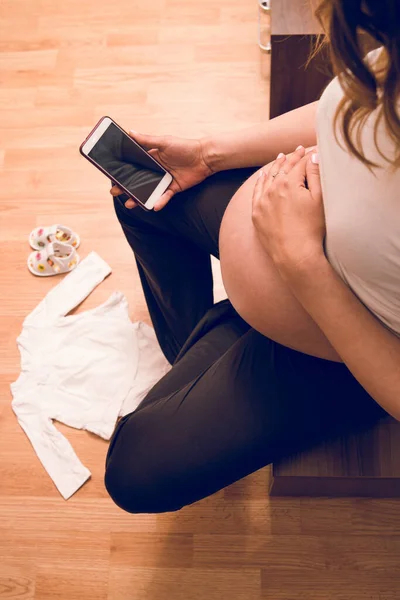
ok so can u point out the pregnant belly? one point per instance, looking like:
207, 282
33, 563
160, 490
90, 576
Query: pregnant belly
256, 289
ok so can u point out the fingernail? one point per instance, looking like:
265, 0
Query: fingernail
132, 131
280, 155
315, 158
260, 174
299, 147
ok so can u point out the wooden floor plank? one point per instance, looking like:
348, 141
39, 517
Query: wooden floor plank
166, 66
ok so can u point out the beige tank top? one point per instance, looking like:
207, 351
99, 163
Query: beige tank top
362, 210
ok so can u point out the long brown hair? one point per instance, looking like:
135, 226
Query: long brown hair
348, 24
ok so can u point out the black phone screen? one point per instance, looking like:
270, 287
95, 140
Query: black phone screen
127, 163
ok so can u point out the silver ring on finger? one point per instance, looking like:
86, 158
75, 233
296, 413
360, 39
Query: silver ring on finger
278, 173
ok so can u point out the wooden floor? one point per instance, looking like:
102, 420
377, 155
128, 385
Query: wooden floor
159, 66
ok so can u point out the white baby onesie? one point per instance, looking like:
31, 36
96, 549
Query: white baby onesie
82, 370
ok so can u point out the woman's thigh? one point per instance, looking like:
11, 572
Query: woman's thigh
259, 401
172, 249
194, 215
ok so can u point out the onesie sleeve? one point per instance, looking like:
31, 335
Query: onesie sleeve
72, 290
52, 448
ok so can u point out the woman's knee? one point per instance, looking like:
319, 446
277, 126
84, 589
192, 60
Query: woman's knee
137, 481
135, 495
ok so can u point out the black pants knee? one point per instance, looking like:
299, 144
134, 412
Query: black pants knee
234, 400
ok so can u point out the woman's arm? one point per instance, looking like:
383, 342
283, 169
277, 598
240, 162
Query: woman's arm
370, 351
290, 223
260, 144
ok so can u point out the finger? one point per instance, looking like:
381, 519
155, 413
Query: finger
130, 203
294, 158
116, 191
311, 149
163, 201
278, 165
259, 187
148, 141
313, 176
297, 175
260, 179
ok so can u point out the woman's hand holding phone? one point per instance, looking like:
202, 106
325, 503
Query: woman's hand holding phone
183, 158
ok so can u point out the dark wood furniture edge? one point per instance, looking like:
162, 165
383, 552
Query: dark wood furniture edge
294, 82
339, 487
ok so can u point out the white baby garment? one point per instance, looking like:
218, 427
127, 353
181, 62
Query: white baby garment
83, 370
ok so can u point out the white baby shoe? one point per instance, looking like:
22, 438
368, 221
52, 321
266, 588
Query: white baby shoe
41, 236
54, 259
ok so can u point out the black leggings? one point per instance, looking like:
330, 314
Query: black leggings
234, 400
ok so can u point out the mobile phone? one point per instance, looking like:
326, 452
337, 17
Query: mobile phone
126, 163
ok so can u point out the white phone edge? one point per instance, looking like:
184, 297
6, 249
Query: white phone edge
161, 187
158, 192
96, 135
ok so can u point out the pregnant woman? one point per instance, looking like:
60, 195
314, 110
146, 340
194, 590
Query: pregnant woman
308, 344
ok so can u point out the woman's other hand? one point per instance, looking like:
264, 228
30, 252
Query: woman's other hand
183, 158
288, 212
